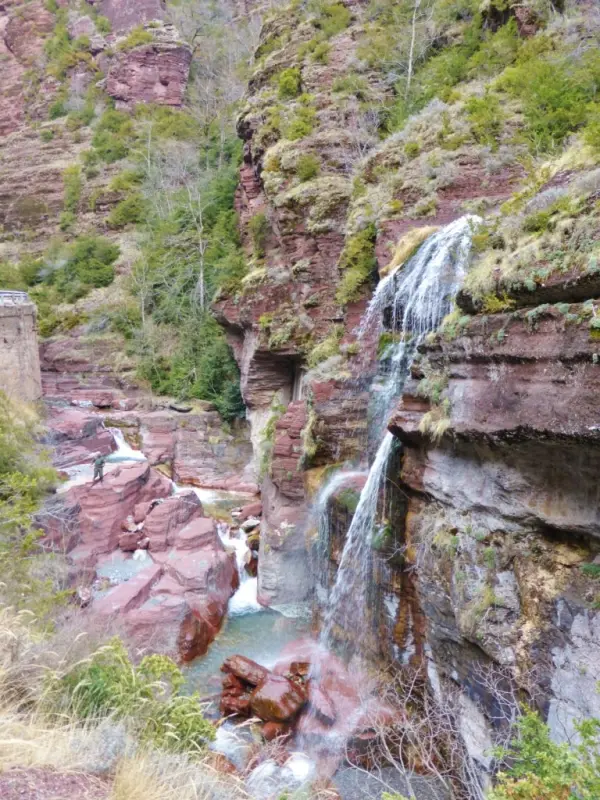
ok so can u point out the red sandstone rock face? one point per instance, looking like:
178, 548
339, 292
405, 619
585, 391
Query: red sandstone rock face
22, 30
165, 520
154, 73
75, 436
105, 505
126, 14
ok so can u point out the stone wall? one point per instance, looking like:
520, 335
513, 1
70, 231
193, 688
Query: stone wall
19, 360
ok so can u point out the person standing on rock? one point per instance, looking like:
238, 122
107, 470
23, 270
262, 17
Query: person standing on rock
99, 463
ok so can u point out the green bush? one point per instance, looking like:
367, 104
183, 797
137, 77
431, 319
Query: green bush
113, 136
307, 167
591, 133
352, 83
148, 696
103, 24
126, 181
128, 212
556, 96
259, 229
289, 83
66, 220
47, 135
332, 18
301, 124
73, 185
137, 36
57, 109
486, 118
357, 264
169, 123
541, 768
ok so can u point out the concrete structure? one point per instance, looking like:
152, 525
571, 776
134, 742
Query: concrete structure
20, 376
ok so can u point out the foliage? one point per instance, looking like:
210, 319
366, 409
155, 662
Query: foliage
25, 477
556, 95
62, 52
332, 18
301, 124
73, 185
129, 211
68, 272
330, 346
137, 36
259, 228
113, 136
289, 83
486, 118
169, 123
541, 768
591, 133
307, 167
357, 263
149, 695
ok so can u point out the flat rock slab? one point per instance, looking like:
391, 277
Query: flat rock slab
131, 594
245, 669
46, 784
277, 699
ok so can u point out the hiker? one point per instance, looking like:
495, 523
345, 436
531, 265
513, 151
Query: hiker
99, 468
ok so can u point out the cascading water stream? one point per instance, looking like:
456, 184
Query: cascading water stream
419, 295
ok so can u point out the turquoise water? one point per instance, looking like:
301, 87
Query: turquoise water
260, 636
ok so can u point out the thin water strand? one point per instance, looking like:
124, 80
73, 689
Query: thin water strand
419, 294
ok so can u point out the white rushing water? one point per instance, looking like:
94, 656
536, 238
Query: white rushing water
419, 294
245, 600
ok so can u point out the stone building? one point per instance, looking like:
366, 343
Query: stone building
20, 376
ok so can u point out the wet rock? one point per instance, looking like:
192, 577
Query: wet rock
253, 541
245, 669
239, 706
233, 685
251, 563
322, 705
274, 730
277, 699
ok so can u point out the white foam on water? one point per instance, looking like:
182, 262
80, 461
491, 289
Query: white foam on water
245, 600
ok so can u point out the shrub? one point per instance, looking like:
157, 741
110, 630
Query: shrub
330, 346
543, 768
486, 118
73, 185
412, 149
137, 36
301, 124
591, 133
57, 109
113, 136
66, 221
126, 181
148, 695
307, 167
332, 18
259, 228
128, 212
169, 123
555, 96
47, 135
289, 83
357, 263
352, 84
103, 24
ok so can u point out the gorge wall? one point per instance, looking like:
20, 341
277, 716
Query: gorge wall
485, 570
496, 516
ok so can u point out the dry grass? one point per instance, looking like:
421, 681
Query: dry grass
31, 740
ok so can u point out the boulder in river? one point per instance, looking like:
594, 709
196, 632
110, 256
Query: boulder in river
277, 699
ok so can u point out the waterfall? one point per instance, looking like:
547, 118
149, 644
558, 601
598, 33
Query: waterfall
419, 295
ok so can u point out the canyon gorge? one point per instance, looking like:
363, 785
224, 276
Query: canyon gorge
305, 297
